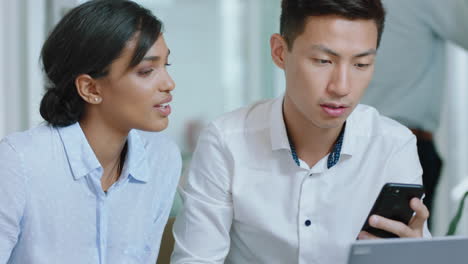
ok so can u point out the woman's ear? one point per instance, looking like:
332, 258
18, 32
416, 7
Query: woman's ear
88, 89
278, 47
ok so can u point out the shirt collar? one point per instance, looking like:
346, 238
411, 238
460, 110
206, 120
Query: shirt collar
279, 136
137, 161
82, 159
335, 154
350, 135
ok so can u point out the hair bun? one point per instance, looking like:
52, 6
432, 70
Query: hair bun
57, 111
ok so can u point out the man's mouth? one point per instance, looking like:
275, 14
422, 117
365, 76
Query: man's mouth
334, 106
334, 110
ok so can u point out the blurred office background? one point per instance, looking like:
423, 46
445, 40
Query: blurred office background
220, 61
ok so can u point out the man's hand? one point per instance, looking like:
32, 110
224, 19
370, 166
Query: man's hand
413, 229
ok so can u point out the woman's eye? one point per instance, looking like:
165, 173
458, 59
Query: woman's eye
145, 72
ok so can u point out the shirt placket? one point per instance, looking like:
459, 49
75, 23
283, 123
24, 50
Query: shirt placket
308, 222
103, 220
102, 216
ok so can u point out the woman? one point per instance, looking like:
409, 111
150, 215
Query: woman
87, 187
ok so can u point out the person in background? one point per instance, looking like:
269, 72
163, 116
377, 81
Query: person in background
292, 179
410, 72
87, 186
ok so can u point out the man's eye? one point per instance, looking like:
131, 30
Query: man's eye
362, 65
320, 61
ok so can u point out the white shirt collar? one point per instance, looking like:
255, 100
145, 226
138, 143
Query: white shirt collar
279, 136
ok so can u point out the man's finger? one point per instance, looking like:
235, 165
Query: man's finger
396, 227
363, 235
422, 214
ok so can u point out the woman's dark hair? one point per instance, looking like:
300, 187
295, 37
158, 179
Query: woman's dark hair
86, 41
294, 14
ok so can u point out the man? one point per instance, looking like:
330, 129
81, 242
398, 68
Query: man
292, 180
417, 30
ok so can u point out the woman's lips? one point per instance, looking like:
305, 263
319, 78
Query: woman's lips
164, 109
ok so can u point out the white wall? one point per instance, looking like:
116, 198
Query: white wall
22, 34
3, 68
12, 64
231, 59
35, 32
193, 32
220, 54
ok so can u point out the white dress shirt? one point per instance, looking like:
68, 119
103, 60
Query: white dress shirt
247, 201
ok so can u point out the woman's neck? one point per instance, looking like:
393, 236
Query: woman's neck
107, 144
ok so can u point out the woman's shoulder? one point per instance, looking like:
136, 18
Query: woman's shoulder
32, 138
32, 148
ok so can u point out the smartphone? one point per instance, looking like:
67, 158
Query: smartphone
393, 202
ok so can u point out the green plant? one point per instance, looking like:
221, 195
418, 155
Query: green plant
456, 219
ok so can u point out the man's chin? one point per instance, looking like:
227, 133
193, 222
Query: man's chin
331, 124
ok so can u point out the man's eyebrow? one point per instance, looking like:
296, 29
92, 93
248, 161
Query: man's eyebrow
326, 50
366, 53
336, 54
156, 58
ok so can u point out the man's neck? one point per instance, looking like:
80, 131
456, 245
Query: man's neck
311, 143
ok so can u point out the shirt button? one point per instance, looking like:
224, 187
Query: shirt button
308, 223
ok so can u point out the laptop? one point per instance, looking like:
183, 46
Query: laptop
438, 250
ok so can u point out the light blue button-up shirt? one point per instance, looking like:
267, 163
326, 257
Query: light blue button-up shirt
53, 209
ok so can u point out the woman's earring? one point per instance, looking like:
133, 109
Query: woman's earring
96, 99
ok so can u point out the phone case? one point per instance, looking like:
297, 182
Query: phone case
393, 203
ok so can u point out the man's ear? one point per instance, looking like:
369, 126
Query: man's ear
88, 89
279, 48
